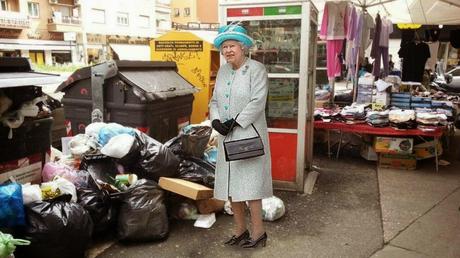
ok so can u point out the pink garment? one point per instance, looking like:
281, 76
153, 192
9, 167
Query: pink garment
334, 64
335, 20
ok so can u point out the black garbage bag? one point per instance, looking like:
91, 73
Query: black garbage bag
175, 145
56, 228
197, 170
99, 206
100, 167
143, 215
194, 139
150, 159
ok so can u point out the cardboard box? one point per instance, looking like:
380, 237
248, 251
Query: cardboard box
393, 145
24, 170
186, 188
368, 152
397, 161
381, 97
209, 206
426, 150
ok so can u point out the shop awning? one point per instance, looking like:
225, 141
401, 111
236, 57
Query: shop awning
159, 84
132, 52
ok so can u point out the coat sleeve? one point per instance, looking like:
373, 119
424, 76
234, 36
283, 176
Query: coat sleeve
259, 90
213, 106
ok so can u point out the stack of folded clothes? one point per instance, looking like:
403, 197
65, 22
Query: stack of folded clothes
378, 119
327, 114
427, 119
354, 114
402, 119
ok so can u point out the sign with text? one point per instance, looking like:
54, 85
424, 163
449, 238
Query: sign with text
179, 45
70, 36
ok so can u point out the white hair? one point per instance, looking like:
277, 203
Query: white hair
245, 48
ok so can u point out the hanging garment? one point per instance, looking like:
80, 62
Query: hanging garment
334, 63
376, 39
335, 20
367, 24
414, 58
455, 38
381, 51
407, 36
431, 62
334, 29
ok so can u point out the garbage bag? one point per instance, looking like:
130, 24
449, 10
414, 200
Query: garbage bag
197, 170
31, 193
110, 130
272, 208
11, 205
8, 244
59, 186
56, 228
150, 159
102, 168
98, 204
118, 146
194, 139
143, 215
175, 146
52, 169
210, 155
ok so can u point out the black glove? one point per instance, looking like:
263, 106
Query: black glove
230, 124
220, 127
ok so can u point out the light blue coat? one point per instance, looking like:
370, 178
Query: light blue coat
244, 92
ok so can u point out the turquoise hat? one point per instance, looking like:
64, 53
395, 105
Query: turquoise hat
232, 32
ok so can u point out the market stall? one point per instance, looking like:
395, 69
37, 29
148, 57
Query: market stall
285, 37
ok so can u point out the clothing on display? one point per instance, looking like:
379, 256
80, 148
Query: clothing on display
334, 29
366, 41
380, 47
431, 62
414, 58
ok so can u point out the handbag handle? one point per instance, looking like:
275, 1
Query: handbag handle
234, 121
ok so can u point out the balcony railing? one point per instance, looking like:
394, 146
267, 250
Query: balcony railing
14, 20
67, 20
195, 26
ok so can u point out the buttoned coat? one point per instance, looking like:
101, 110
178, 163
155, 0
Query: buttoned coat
242, 92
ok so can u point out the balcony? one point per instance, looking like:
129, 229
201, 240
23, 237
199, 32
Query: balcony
68, 3
14, 20
64, 24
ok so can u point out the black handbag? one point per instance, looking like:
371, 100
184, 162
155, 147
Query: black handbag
244, 148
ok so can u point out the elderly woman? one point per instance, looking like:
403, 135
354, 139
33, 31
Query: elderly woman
237, 110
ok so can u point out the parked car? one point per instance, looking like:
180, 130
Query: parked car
455, 82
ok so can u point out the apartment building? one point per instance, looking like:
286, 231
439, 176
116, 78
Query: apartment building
194, 11
43, 30
163, 16
80, 31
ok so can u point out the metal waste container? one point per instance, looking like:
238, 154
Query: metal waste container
24, 139
150, 96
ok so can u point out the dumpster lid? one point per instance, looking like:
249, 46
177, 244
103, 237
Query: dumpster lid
160, 84
16, 72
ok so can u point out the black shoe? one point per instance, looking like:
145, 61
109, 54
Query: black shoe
235, 240
262, 240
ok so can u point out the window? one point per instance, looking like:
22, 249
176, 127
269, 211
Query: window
186, 12
98, 15
144, 21
176, 12
33, 9
122, 19
3, 5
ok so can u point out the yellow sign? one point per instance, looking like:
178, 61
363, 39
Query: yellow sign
409, 25
197, 61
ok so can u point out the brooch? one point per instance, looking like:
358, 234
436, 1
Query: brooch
246, 67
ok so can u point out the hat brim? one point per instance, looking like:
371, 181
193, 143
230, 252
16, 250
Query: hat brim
246, 40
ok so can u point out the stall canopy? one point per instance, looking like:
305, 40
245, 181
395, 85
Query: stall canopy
432, 12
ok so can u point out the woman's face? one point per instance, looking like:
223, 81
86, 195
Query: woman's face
232, 51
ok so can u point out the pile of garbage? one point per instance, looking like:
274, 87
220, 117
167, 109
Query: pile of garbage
107, 181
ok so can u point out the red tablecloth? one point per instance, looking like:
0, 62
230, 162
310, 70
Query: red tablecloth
367, 129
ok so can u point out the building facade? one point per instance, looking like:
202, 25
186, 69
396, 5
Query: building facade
163, 16
81, 31
184, 12
43, 30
